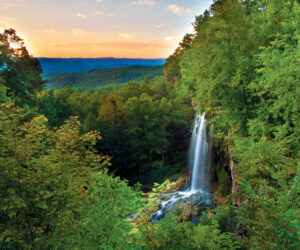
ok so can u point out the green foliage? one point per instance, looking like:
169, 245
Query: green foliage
243, 69
172, 67
210, 237
3, 93
54, 189
172, 234
224, 184
145, 125
270, 184
111, 109
19, 71
212, 232
169, 233
278, 229
104, 225
226, 218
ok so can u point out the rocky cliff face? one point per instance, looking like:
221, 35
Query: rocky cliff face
234, 180
236, 200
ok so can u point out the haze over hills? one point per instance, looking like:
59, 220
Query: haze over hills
54, 65
101, 77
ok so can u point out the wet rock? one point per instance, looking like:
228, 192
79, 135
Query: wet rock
190, 204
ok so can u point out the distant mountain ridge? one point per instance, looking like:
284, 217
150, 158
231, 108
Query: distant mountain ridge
102, 77
63, 65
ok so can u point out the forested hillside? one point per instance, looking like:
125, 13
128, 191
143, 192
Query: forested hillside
243, 69
76, 166
100, 78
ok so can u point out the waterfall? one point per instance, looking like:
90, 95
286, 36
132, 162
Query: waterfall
198, 160
197, 156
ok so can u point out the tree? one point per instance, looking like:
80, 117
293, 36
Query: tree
20, 72
111, 109
243, 69
172, 67
55, 191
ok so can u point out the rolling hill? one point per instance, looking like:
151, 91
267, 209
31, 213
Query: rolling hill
101, 77
54, 65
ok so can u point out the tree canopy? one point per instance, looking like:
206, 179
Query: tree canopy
20, 72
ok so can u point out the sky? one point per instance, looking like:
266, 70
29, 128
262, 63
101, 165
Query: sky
101, 28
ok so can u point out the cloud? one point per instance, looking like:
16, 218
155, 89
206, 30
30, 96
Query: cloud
98, 1
179, 10
117, 27
81, 32
175, 9
50, 31
6, 6
4, 25
68, 34
6, 22
169, 38
51, 44
101, 12
133, 45
161, 25
127, 36
81, 15
189, 11
113, 44
143, 2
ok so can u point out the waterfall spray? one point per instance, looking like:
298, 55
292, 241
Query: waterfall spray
197, 162
198, 156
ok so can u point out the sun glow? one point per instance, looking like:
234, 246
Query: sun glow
99, 28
